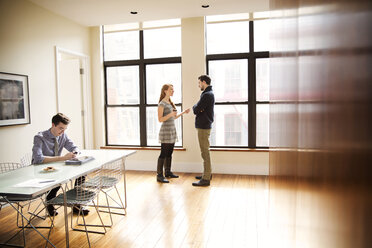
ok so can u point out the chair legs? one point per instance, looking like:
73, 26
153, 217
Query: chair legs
19, 210
33, 215
120, 205
87, 225
6, 243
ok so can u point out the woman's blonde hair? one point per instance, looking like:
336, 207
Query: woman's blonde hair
162, 94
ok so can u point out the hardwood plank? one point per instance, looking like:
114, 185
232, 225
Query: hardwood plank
171, 215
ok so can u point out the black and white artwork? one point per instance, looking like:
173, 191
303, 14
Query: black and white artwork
14, 99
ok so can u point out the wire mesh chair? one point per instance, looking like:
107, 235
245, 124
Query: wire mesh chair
111, 175
26, 160
20, 203
81, 195
9, 166
5, 167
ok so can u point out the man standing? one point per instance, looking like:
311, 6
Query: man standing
204, 114
48, 146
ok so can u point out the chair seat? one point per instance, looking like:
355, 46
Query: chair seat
107, 182
74, 197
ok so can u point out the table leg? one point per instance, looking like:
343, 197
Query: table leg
124, 184
66, 217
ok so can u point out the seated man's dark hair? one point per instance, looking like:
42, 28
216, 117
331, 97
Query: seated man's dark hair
60, 118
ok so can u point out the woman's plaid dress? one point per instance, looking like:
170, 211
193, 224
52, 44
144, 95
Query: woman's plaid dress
167, 133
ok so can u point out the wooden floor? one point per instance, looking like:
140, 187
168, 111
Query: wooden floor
232, 212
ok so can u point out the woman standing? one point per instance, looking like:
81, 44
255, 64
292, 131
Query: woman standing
167, 113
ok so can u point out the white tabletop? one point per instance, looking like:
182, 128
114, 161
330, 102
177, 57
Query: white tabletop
9, 181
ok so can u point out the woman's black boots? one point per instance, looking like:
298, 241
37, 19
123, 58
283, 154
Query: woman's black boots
159, 177
168, 165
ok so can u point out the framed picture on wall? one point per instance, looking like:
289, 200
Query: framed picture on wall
14, 99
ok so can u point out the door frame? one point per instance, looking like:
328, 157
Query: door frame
86, 91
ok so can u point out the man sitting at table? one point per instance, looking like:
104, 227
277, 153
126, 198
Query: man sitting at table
48, 146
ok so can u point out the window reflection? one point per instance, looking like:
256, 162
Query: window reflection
161, 43
262, 79
229, 79
123, 85
160, 74
230, 37
121, 45
262, 124
123, 126
261, 35
230, 126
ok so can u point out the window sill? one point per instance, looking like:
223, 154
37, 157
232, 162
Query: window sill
240, 149
139, 148
184, 149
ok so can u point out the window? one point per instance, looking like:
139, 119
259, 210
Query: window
121, 45
238, 63
137, 63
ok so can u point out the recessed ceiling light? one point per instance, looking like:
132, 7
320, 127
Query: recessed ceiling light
205, 6
134, 12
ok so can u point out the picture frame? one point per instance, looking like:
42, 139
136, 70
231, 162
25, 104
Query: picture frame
14, 99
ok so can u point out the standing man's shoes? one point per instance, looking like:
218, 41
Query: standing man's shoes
202, 182
171, 175
200, 177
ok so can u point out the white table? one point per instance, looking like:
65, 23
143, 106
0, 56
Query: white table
62, 175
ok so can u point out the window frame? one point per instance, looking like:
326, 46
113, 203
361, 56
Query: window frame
141, 63
252, 102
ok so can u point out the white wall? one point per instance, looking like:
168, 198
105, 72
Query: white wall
193, 65
28, 36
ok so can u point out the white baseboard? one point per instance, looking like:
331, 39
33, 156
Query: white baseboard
241, 169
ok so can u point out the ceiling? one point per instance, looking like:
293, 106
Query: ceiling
100, 12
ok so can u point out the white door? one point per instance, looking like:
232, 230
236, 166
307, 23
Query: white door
70, 99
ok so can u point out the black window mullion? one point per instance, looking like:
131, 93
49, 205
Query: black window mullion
251, 90
106, 106
251, 102
142, 78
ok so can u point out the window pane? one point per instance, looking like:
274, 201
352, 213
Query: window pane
164, 42
123, 85
261, 35
230, 126
153, 127
121, 46
229, 79
262, 125
157, 76
231, 37
262, 79
123, 126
